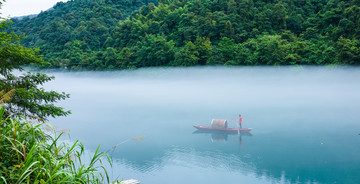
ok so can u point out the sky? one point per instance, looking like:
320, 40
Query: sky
15, 8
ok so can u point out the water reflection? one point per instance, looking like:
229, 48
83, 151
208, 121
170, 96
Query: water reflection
223, 136
313, 158
305, 123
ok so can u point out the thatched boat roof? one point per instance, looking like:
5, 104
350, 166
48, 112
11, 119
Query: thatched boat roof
219, 123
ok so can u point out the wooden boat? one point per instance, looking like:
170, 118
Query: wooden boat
230, 130
212, 132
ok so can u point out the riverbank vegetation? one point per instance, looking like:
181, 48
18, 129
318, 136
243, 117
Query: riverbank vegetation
83, 34
29, 155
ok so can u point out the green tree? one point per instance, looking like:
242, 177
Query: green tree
270, 50
29, 99
224, 52
348, 51
154, 50
318, 52
228, 30
203, 47
242, 56
231, 7
125, 59
187, 56
279, 15
110, 58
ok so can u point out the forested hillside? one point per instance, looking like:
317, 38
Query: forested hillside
196, 32
72, 33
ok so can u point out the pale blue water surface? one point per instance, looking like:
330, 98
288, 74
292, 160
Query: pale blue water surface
305, 120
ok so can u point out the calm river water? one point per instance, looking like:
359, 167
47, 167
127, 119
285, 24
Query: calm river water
305, 120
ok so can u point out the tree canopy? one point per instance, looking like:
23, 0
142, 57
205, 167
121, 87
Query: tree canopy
119, 34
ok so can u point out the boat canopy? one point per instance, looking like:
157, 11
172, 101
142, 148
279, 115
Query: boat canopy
219, 123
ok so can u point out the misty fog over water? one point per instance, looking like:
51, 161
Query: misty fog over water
305, 121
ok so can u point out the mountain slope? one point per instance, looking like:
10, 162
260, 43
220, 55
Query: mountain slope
77, 25
240, 32
200, 32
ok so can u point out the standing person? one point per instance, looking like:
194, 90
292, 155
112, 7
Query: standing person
240, 120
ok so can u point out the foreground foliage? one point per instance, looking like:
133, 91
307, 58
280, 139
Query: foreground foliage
29, 99
29, 155
196, 32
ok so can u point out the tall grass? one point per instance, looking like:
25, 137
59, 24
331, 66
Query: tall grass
29, 155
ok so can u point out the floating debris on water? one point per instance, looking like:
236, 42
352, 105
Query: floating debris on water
131, 181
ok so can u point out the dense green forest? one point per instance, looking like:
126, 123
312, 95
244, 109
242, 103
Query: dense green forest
74, 32
120, 34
